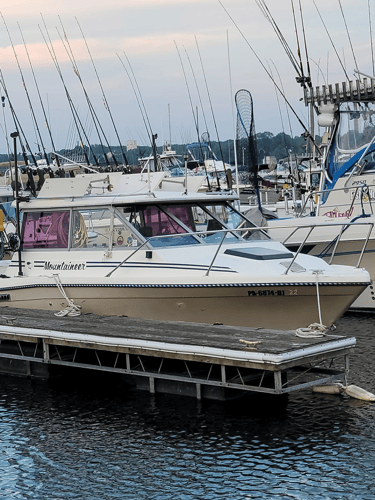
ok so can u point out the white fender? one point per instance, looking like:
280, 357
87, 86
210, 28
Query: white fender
358, 393
329, 389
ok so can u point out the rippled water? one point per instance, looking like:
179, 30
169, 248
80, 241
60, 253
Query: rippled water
93, 440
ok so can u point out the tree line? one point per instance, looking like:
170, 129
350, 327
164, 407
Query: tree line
280, 146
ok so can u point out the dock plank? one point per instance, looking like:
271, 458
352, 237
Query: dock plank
216, 336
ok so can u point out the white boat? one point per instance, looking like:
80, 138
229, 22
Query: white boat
343, 206
123, 245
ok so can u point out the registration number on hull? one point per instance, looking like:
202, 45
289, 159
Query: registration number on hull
267, 293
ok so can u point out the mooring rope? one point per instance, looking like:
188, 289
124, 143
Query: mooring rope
315, 329
72, 309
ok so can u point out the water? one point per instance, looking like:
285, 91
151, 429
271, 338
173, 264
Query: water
91, 439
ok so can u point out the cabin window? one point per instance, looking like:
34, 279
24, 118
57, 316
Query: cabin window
46, 230
99, 228
153, 221
164, 222
169, 220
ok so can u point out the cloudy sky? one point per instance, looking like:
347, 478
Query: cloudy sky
148, 31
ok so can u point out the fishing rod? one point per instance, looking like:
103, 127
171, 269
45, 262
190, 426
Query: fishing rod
5, 130
106, 105
302, 79
203, 113
306, 130
95, 119
75, 115
305, 44
90, 108
212, 111
312, 105
298, 66
192, 110
349, 38
297, 37
69, 136
152, 137
371, 39
27, 93
282, 125
333, 45
234, 123
17, 125
40, 98
139, 91
319, 70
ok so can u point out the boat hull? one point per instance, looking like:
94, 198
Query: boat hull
268, 306
347, 253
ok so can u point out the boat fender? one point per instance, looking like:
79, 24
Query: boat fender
351, 390
359, 393
329, 389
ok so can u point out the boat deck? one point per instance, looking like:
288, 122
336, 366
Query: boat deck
189, 358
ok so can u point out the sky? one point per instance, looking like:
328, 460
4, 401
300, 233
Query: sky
189, 58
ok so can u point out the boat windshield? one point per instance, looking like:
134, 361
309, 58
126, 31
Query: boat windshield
189, 224
356, 129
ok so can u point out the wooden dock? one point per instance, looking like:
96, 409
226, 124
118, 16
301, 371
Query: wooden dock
204, 361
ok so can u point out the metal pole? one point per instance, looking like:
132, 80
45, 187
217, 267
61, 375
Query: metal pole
154, 137
186, 176
14, 135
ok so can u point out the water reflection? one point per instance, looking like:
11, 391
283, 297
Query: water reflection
91, 438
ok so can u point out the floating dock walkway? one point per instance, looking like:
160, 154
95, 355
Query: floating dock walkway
204, 361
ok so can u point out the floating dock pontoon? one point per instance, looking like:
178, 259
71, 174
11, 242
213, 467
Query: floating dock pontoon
204, 361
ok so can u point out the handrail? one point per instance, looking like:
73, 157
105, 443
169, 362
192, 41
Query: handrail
344, 226
336, 244
319, 194
299, 250
365, 245
217, 251
258, 228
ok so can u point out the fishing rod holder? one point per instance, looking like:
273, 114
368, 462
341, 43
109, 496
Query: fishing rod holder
107, 180
352, 91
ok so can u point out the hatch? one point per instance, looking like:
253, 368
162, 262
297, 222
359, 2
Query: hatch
259, 253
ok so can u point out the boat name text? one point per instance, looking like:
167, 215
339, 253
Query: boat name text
64, 266
335, 214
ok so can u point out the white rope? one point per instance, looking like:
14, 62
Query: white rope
312, 331
317, 295
315, 329
72, 309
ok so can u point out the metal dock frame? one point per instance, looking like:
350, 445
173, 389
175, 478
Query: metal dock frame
193, 370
